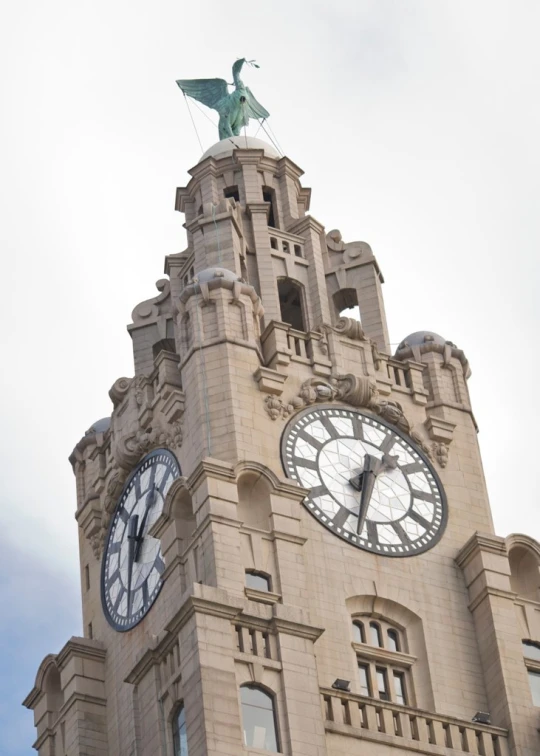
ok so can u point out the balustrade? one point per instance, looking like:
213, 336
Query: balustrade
369, 718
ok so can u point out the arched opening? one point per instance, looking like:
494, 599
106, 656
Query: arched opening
290, 303
254, 506
180, 746
259, 718
53, 689
346, 304
164, 345
524, 575
269, 196
231, 192
184, 518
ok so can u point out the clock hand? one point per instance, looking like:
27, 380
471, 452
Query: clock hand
150, 501
132, 542
365, 482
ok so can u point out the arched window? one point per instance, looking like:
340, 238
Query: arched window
375, 636
359, 634
393, 640
180, 746
290, 302
259, 581
259, 718
380, 674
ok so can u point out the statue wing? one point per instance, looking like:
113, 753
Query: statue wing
253, 107
207, 91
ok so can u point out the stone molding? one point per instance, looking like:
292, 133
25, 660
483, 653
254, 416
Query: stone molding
478, 543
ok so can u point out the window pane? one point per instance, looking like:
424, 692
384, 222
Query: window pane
531, 650
179, 733
399, 688
363, 671
534, 681
393, 640
358, 632
257, 581
258, 719
382, 684
375, 634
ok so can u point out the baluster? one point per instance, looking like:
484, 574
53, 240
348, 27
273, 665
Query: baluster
439, 735
487, 744
501, 746
355, 715
387, 721
371, 718
455, 737
422, 730
405, 725
337, 710
469, 740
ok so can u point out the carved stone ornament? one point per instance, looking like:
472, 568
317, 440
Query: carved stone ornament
440, 452
357, 391
351, 251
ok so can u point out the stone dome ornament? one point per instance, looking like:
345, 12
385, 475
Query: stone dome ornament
421, 342
226, 147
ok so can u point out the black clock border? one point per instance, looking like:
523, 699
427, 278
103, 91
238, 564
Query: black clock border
407, 439
123, 628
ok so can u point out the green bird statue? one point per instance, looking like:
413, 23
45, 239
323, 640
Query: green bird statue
234, 108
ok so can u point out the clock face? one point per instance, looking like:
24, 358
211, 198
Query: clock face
132, 562
369, 484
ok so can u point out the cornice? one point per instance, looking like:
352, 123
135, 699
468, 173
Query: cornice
298, 629
262, 597
210, 468
308, 222
82, 647
287, 167
479, 543
253, 208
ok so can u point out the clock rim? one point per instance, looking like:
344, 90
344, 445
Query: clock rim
408, 440
133, 473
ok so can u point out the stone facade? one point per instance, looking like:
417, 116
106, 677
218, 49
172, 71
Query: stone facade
245, 331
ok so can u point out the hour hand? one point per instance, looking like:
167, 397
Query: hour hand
365, 483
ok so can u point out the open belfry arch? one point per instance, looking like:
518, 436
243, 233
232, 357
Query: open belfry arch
286, 543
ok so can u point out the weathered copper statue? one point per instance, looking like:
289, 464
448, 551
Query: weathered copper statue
234, 108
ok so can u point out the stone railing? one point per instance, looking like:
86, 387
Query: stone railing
298, 342
407, 728
405, 377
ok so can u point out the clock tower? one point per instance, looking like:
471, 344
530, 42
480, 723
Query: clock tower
286, 543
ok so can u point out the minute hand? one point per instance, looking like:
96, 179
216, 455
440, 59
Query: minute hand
372, 467
150, 499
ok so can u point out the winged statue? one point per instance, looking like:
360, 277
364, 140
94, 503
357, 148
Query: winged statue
234, 108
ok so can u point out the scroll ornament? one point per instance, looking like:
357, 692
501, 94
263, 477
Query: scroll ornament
357, 391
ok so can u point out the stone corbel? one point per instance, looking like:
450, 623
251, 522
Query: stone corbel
270, 381
275, 346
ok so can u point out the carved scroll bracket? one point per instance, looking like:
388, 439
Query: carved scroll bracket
358, 391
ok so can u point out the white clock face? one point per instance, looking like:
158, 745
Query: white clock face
132, 562
369, 484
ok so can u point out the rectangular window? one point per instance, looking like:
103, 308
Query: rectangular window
365, 688
534, 682
87, 577
90, 631
531, 650
258, 581
399, 688
382, 684
239, 638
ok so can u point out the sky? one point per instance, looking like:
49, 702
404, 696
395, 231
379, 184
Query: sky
416, 122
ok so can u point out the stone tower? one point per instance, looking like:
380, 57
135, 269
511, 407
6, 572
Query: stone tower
286, 543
